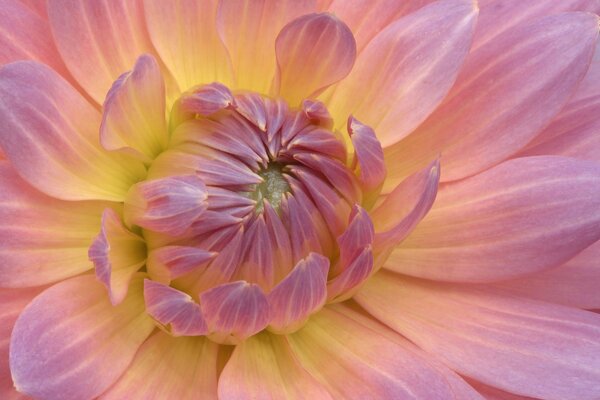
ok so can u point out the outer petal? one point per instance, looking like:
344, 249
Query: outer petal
313, 52
418, 58
50, 134
496, 107
42, 240
264, 367
38, 6
249, 28
134, 112
521, 346
71, 343
522, 216
169, 368
356, 361
185, 36
98, 39
573, 284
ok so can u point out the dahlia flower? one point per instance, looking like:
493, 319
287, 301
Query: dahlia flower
299, 199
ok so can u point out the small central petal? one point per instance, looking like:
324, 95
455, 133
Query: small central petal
273, 187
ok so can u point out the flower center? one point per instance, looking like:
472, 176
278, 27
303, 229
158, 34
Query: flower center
273, 187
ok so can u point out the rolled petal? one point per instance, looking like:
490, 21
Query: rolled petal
363, 363
134, 112
173, 309
521, 346
358, 235
343, 286
117, 254
523, 216
419, 57
234, 311
185, 36
369, 155
313, 52
71, 343
168, 205
171, 262
98, 39
302, 293
208, 99
264, 367
248, 28
557, 50
42, 240
317, 112
574, 283
50, 135
187, 370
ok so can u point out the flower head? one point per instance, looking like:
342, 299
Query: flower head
299, 199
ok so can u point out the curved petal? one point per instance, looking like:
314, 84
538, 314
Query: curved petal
368, 156
248, 28
313, 52
521, 346
42, 240
523, 216
406, 70
507, 92
71, 343
185, 36
49, 132
354, 360
574, 283
264, 367
171, 262
98, 39
169, 368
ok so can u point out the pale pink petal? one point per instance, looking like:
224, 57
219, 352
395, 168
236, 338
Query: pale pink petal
356, 360
98, 39
42, 240
50, 135
264, 367
117, 254
302, 293
234, 311
207, 99
70, 343
39, 6
168, 205
406, 70
249, 28
134, 112
521, 346
185, 36
496, 107
574, 283
13, 302
523, 216
166, 367
171, 262
313, 52
491, 393
173, 309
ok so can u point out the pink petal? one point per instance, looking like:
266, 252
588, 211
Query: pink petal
171, 262
258, 264
234, 311
343, 286
134, 112
181, 362
264, 367
50, 135
358, 235
357, 360
317, 113
98, 39
173, 309
71, 343
486, 123
574, 283
302, 293
313, 52
117, 254
42, 240
369, 155
248, 28
185, 36
521, 346
417, 60
491, 393
523, 216
207, 99
38, 6
168, 205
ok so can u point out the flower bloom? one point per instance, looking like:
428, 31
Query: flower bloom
334, 199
